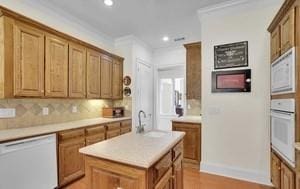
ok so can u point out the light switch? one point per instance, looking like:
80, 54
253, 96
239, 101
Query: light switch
45, 111
7, 112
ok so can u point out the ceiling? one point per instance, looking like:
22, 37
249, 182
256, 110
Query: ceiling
148, 20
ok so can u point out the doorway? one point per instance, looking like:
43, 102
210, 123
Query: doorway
170, 95
144, 93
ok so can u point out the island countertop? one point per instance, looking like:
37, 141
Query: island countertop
134, 149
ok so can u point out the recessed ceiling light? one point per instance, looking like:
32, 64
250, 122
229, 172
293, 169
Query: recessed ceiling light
108, 2
165, 38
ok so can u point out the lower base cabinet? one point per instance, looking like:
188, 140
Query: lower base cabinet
71, 162
287, 177
167, 173
282, 176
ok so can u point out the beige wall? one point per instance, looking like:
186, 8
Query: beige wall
235, 133
29, 111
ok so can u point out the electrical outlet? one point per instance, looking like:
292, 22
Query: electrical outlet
45, 111
189, 106
7, 112
74, 109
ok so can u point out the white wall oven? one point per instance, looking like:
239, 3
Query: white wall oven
283, 73
283, 128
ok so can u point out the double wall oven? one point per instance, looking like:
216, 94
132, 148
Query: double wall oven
283, 110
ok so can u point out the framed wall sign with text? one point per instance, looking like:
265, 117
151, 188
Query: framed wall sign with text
231, 55
231, 81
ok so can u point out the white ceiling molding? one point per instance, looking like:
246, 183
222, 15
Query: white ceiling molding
230, 4
131, 39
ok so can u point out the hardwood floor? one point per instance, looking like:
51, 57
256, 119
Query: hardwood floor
195, 180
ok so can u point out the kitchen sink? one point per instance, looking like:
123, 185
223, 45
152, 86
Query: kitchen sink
155, 134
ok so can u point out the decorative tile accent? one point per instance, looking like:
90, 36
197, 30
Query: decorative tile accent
29, 111
195, 107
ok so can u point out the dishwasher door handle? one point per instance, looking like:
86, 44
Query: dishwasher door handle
24, 144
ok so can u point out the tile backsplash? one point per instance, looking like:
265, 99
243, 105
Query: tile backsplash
195, 107
29, 112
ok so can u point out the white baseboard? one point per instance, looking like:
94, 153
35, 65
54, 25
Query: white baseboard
236, 173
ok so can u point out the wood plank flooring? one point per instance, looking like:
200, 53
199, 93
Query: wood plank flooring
195, 180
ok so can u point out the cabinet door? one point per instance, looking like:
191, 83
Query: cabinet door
178, 174
275, 171
113, 133
191, 141
287, 26
93, 74
95, 134
71, 162
28, 61
298, 181
106, 77
193, 71
166, 181
77, 71
56, 67
287, 177
107, 180
275, 44
117, 80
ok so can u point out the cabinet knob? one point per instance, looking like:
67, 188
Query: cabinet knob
119, 188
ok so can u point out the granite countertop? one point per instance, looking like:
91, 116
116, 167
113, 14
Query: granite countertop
14, 134
135, 149
188, 119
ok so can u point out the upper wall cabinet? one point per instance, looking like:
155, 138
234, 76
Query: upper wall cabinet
93, 74
38, 61
106, 77
193, 70
283, 30
56, 67
117, 79
28, 61
287, 26
275, 44
77, 71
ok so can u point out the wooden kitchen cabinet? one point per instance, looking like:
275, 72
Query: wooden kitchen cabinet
191, 143
94, 134
126, 127
193, 71
287, 33
93, 74
166, 181
117, 79
113, 130
77, 71
298, 181
28, 57
70, 161
106, 77
287, 177
275, 171
275, 44
178, 174
56, 66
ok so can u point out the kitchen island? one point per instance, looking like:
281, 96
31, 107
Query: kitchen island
150, 160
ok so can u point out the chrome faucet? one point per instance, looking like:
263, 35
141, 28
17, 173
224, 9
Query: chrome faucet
140, 128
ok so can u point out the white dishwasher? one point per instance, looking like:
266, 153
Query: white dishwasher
29, 163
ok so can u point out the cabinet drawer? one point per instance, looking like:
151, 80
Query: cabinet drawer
113, 126
94, 139
67, 135
177, 150
125, 130
161, 167
95, 130
126, 123
112, 133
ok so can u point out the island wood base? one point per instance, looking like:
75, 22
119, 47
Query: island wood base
166, 173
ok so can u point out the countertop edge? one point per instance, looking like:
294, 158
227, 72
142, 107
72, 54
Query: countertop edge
22, 133
135, 164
